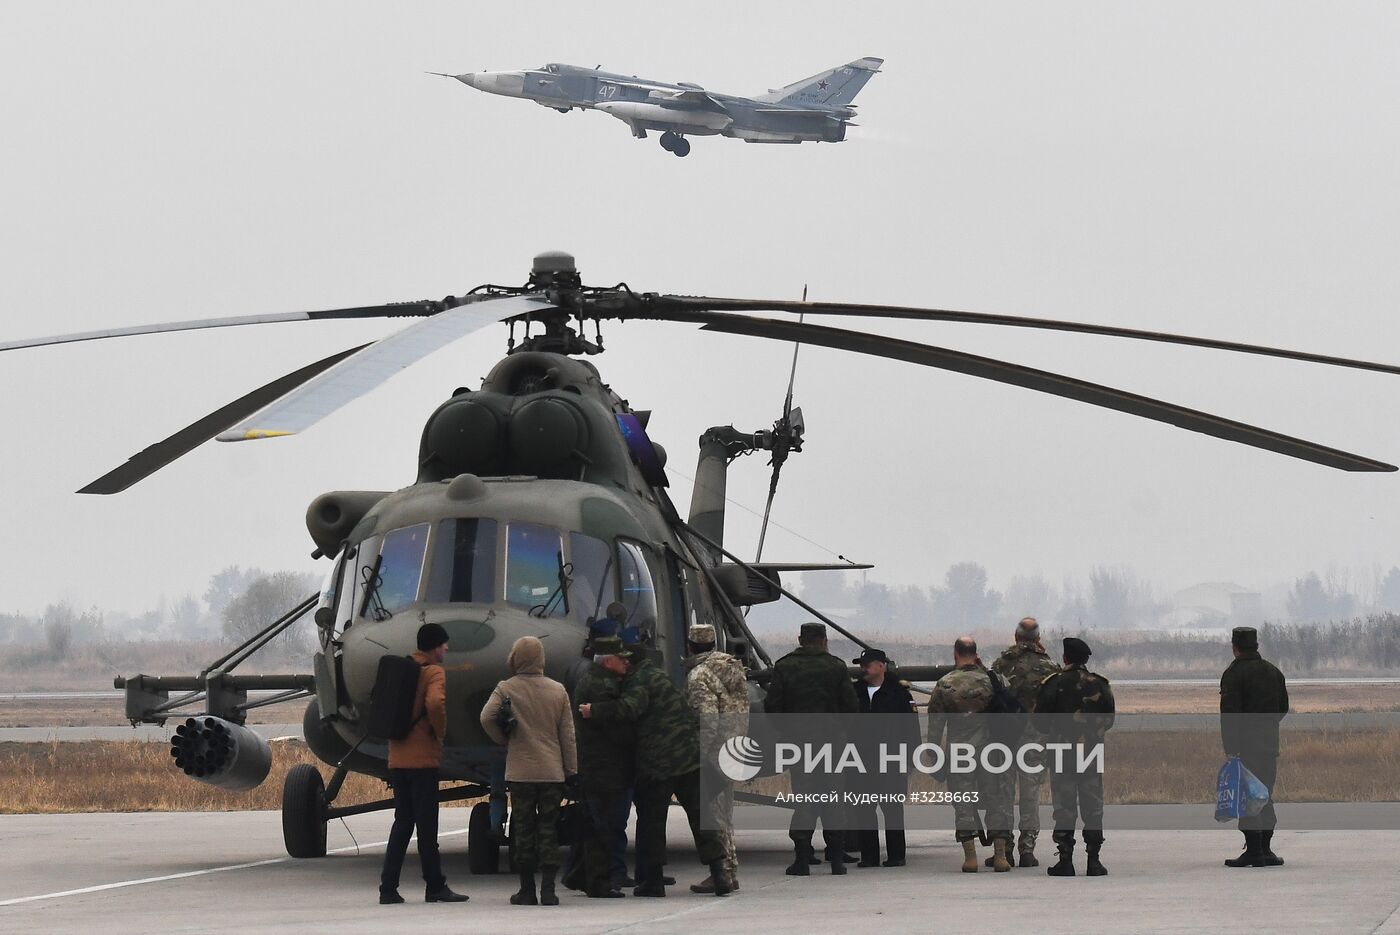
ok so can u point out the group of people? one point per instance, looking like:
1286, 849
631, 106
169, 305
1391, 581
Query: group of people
631, 737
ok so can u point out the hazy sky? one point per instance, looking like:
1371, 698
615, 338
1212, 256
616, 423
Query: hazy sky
1228, 170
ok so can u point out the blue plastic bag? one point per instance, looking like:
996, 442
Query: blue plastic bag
1238, 792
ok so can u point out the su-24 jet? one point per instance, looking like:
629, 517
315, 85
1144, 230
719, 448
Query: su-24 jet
818, 108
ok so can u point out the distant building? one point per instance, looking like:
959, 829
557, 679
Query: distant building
1215, 604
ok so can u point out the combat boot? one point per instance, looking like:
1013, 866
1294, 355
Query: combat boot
526, 896
719, 877
837, 859
1266, 848
1064, 867
802, 862
547, 897
1026, 846
999, 861
1093, 843
969, 856
1253, 855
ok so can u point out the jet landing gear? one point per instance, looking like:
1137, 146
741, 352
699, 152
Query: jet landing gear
675, 143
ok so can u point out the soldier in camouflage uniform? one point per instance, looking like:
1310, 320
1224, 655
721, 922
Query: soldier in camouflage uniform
957, 704
606, 752
718, 690
667, 764
1023, 666
809, 680
1075, 706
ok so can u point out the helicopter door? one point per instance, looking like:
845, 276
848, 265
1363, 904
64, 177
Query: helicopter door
639, 590
593, 576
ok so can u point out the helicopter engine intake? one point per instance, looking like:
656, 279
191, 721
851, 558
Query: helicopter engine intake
221, 753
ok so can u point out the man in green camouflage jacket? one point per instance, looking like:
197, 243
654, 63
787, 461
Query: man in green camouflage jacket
957, 705
1253, 700
606, 752
810, 680
718, 690
1076, 707
1023, 666
667, 764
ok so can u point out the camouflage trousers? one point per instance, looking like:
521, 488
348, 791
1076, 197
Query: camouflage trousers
1077, 795
534, 824
721, 814
991, 796
1023, 793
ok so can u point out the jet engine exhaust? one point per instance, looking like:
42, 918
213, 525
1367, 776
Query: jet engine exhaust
221, 753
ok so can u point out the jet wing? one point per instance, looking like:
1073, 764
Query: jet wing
697, 96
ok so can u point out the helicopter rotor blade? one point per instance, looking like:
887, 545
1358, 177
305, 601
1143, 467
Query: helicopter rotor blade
149, 460
393, 310
350, 379
1040, 380
665, 303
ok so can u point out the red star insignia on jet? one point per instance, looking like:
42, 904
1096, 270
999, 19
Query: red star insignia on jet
823, 85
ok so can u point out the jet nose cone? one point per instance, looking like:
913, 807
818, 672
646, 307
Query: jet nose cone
469, 79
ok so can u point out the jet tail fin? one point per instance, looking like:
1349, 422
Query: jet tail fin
835, 87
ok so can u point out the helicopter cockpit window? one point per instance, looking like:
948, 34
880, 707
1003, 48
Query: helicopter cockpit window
535, 570
395, 578
594, 575
463, 566
638, 591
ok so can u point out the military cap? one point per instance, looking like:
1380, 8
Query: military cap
812, 631
871, 655
701, 633
630, 636
1246, 638
607, 646
1076, 650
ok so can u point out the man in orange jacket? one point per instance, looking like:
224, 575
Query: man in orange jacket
413, 772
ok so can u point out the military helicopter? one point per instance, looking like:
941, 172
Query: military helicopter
539, 502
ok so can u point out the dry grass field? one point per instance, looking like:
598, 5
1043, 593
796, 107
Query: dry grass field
1303, 699
100, 776
110, 712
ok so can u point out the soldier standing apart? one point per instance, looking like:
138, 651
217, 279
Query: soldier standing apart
1024, 665
718, 690
878, 691
809, 680
540, 758
957, 704
1253, 699
667, 764
1076, 707
606, 751
413, 772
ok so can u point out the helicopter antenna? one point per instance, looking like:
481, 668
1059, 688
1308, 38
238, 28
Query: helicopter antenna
782, 440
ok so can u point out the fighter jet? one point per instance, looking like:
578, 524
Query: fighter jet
817, 108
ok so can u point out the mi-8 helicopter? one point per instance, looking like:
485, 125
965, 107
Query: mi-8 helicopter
539, 502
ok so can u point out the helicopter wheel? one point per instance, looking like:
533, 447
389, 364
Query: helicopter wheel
681, 147
304, 812
668, 141
483, 852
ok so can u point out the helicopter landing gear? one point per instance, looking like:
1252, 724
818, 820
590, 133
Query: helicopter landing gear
675, 143
304, 812
483, 846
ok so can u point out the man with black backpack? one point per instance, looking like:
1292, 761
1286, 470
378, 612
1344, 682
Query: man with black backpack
414, 757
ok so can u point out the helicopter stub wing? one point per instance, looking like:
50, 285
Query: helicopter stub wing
1042, 381
351, 378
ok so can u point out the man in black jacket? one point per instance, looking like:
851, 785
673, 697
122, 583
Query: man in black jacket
1253, 699
878, 691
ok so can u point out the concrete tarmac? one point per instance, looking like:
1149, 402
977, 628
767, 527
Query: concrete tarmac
227, 872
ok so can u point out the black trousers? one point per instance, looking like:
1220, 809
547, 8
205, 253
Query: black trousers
805, 815
415, 805
653, 804
865, 818
1264, 766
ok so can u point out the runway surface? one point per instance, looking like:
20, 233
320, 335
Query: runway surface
227, 872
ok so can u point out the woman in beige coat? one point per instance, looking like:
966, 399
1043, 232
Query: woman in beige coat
540, 757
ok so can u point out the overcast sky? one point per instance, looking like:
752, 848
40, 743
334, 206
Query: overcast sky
1228, 170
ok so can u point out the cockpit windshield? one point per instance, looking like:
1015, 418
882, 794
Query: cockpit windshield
391, 583
535, 572
594, 574
638, 591
463, 566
